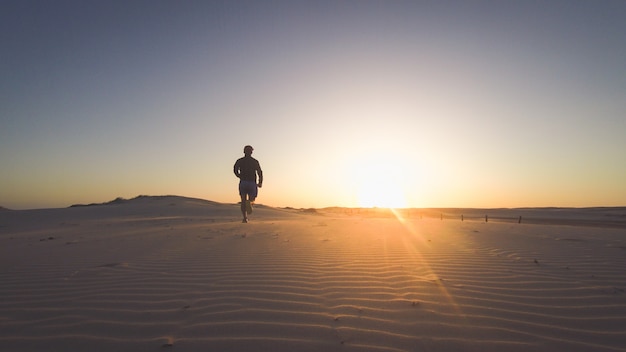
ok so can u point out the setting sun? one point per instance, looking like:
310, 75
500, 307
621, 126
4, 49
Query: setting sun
386, 195
381, 183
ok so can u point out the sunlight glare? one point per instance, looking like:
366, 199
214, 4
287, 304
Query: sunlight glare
381, 194
382, 184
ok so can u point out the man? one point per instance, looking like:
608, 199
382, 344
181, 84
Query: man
247, 169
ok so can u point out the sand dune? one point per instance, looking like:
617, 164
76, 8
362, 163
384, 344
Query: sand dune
171, 273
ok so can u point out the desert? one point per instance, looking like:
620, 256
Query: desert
159, 273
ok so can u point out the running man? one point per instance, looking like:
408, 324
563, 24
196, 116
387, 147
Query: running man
247, 169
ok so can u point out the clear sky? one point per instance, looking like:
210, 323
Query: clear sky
347, 103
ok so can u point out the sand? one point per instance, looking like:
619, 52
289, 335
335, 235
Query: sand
180, 274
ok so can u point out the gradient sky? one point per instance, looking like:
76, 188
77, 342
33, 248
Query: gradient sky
347, 103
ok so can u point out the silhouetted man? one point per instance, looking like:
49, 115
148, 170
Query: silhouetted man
247, 169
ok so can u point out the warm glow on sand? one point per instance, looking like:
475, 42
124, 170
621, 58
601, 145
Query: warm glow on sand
169, 273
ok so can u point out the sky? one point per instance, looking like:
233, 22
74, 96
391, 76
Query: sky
347, 103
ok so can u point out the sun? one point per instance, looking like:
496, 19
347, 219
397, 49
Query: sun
381, 184
385, 196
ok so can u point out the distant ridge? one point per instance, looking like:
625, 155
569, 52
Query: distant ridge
144, 198
118, 200
583, 216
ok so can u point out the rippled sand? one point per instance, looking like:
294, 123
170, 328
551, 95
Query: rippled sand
161, 273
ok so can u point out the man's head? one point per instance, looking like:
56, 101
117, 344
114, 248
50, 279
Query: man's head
247, 150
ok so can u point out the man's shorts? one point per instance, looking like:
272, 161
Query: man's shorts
248, 188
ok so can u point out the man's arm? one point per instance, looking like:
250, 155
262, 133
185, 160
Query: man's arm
260, 173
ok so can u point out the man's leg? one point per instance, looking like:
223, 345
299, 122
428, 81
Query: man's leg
248, 207
243, 207
243, 195
254, 191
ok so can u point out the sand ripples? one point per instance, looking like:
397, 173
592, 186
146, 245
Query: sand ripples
305, 285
